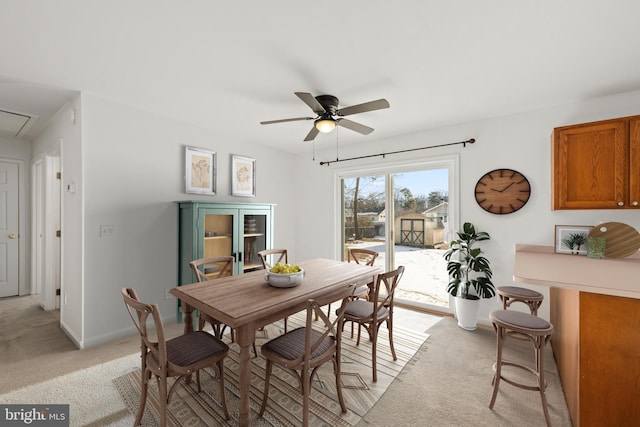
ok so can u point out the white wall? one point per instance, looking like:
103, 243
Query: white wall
134, 170
520, 142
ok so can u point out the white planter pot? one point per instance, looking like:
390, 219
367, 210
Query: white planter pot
467, 313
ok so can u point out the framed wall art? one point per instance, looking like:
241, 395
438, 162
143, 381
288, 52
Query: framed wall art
571, 239
243, 176
200, 171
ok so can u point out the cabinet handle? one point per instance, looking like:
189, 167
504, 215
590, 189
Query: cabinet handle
634, 203
620, 203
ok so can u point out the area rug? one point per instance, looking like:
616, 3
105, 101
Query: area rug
190, 408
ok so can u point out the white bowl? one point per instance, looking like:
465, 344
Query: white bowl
278, 280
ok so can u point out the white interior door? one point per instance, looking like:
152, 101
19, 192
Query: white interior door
9, 229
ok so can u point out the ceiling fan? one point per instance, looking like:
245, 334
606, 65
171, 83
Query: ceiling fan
328, 115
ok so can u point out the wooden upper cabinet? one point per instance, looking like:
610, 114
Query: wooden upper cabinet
634, 162
597, 165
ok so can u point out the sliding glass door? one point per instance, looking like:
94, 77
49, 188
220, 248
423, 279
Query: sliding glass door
405, 215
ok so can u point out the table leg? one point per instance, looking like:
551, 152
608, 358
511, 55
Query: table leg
187, 310
245, 336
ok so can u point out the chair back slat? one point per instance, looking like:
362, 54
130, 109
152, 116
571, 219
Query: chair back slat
220, 266
362, 256
328, 326
390, 282
269, 257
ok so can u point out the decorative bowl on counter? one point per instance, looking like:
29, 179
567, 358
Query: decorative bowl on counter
278, 280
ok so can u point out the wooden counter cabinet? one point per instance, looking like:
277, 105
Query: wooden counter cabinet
596, 344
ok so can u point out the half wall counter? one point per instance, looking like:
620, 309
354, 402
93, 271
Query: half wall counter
595, 310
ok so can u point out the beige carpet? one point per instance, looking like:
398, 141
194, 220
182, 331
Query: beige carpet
188, 407
448, 384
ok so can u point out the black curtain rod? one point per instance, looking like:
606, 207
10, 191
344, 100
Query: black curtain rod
464, 143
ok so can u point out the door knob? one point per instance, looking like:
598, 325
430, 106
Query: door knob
12, 236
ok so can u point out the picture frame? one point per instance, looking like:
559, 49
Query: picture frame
243, 176
571, 239
200, 171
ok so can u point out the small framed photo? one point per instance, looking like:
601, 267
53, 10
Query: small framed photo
200, 171
571, 239
243, 176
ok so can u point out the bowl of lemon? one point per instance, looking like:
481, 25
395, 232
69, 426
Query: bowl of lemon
284, 275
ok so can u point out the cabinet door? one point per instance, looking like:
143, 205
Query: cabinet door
256, 228
591, 166
217, 232
634, 163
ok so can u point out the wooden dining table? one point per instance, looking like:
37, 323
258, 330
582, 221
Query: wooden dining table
247, 302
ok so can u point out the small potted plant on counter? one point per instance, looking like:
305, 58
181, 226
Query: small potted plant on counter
469, 275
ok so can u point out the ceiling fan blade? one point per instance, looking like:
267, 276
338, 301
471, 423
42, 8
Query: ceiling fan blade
312, 134
360, 128
311, 101
268, 122
361, 108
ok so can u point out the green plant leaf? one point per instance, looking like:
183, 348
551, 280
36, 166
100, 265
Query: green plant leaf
467, 268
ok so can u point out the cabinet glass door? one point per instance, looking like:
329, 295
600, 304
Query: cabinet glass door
255, 239
218, 233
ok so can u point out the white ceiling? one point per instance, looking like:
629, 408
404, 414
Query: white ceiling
229, 65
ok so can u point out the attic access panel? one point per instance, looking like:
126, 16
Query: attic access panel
12, 123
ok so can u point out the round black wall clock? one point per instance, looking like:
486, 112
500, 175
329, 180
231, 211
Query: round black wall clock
502, 191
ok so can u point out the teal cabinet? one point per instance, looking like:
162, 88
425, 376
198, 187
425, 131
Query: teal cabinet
224, 228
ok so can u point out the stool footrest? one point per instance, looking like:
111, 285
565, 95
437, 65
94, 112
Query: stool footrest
518, 384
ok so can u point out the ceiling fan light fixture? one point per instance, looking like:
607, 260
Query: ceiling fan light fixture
325, 125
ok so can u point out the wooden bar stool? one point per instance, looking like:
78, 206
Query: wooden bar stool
538, 331
510, 294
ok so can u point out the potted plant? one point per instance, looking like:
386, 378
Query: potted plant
469, 273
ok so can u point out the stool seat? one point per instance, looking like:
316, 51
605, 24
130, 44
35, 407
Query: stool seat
521, 322
521, 325
510, 294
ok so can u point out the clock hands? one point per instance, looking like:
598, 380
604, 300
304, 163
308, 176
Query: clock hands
500, 191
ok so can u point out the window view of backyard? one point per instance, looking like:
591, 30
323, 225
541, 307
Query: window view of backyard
419, 220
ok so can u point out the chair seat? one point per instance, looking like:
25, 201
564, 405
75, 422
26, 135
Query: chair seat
291, 345
518, 292
185, 350
518, 320
512, 294
361, 308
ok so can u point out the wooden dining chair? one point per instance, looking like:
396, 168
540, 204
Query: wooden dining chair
372, 314
269, 258
177, 357
305, 349
365, 257
212, 268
